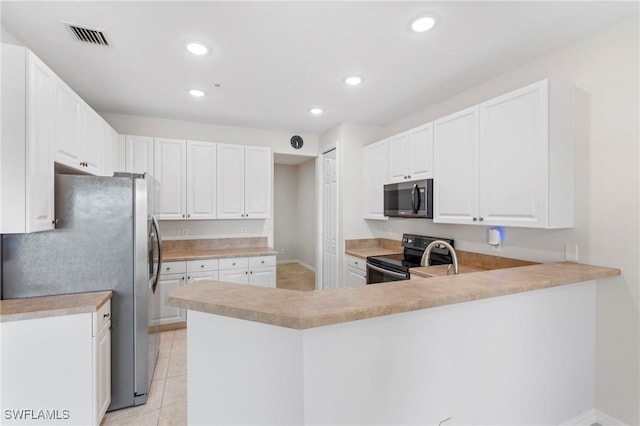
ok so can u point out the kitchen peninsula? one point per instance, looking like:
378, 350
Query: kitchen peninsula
503, 346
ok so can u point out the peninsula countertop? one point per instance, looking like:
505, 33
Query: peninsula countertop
52, 306
303, 310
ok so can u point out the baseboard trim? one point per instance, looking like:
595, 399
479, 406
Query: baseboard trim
591, 416
301, 263
606, 420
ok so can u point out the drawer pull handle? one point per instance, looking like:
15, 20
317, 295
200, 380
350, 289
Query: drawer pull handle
202, 266
107, 316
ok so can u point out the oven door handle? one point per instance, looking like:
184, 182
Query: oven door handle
386, 271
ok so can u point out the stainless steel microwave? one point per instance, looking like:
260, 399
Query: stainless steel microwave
409, 199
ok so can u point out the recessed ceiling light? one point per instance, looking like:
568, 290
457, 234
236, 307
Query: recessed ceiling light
196, 93
197, 48
423, 24
353, 80
315, 111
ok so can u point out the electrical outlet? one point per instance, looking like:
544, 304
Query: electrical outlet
243, 230
571, 253
185, 232
497, 247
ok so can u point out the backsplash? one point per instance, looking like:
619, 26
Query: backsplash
214, 243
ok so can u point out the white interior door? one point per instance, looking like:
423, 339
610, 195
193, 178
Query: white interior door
329, 220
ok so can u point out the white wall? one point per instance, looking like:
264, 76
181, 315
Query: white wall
7, 36
295, 212
285, 215
604, 68
307, 210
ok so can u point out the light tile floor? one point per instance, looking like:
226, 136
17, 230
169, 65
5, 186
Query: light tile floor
167, 403
294, 276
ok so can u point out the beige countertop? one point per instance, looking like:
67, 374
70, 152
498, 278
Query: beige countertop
302, 310
441, 270
362, 253
52, 306
199, 254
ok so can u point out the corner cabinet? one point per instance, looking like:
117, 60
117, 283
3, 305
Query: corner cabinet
244, 176
376, 172
508, 161
26, 163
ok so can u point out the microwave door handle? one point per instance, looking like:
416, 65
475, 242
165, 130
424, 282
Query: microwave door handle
415, 198
154, 222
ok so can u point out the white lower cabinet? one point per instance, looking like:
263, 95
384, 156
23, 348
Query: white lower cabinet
58, 365
259, 270
356, 271
173, 276
199, 270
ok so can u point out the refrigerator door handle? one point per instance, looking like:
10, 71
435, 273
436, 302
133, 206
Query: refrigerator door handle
159, 240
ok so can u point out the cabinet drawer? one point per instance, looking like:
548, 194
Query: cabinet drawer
234, 263
173, 268
258, 261
357, 263
202, 265
102, 318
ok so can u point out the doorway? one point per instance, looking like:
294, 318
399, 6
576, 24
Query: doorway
294, 221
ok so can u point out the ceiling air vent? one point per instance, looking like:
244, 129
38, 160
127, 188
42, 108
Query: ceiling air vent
88, 35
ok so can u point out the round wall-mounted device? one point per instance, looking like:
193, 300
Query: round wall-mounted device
296, 142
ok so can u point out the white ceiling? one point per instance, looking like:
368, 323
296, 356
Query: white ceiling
275, 60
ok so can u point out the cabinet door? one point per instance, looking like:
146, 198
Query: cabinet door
398, 158
171, 176
92, 141
230, 181
194, 277
514, 158
168, 314
103, 373
355, 277
139, 154
376, 171
264, 277
258, 177
110, 146
68, 112
420, 152
201, 180
456, 168
40, 145
238, 276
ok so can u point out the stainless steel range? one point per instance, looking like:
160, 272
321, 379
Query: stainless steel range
395, 267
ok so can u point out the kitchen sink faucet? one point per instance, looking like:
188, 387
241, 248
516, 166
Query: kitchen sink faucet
440, 244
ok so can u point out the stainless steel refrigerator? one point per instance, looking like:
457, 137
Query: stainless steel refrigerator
105, 239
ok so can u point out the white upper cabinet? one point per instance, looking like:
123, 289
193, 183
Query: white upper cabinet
257, 183
455, 182
27, 160
171, 177
230, 181
93, 141
508, 161
201, 180
411, 154
376, 171
111, 142
68, 125
138, 156
244, 182
79, 132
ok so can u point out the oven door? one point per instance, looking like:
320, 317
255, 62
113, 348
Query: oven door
376, 274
